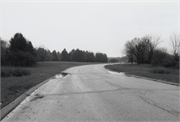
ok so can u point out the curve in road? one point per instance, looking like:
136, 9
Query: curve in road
91, 93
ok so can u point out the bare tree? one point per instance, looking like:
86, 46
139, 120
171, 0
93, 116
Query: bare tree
150, 43
134, 48
128, 50
175, 42
136, 42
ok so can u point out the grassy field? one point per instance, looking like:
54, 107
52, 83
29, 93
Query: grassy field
145, 70
12, 87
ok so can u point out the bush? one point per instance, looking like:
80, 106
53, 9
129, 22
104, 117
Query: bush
160, 70
159, 56
16, 72
5, 73
169, 62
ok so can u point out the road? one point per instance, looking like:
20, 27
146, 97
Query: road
91, 93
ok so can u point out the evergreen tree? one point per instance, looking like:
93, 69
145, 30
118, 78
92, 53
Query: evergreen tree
54, 56
21, 52
64, 55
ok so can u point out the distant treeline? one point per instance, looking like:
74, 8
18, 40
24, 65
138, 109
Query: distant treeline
117, 59
20, 52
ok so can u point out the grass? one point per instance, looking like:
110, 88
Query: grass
160, 70
16, 72
145, 70
13, 87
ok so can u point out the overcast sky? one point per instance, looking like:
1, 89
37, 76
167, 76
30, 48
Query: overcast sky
94, 26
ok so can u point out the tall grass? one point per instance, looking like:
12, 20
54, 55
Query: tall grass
160, 70
14, 72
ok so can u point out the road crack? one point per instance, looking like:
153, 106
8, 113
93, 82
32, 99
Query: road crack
119, 87
151, 102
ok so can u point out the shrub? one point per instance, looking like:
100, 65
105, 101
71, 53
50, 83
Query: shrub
20, 72
5, 73
159, 56
17, 72
160, 70
169, 62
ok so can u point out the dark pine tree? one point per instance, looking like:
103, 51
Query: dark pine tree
21, 51
54, 56
64, 55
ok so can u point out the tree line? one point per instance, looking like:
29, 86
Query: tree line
146, 50
20, 52
74, 55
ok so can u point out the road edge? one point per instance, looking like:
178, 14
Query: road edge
141, 77
7, 109
157, 80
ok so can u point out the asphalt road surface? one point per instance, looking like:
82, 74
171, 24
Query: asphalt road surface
92, 93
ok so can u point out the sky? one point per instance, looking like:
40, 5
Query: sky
97, 26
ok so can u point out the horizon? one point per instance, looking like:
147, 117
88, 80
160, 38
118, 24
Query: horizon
93, 26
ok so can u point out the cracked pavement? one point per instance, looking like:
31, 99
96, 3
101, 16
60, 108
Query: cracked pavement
91, 93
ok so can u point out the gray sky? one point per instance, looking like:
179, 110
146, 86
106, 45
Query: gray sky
94, 26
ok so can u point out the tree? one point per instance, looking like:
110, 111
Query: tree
137, 48
151, 44
59, 56
78, 55
42, 54
64, 55
70, 55
54, 56
133, 49
92, 57
141, 48
4, 49
18, 43
105, 58
89, 57
159, 56
49, 55
4, 46
100, 57
175, 43
129, 48
21, 52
